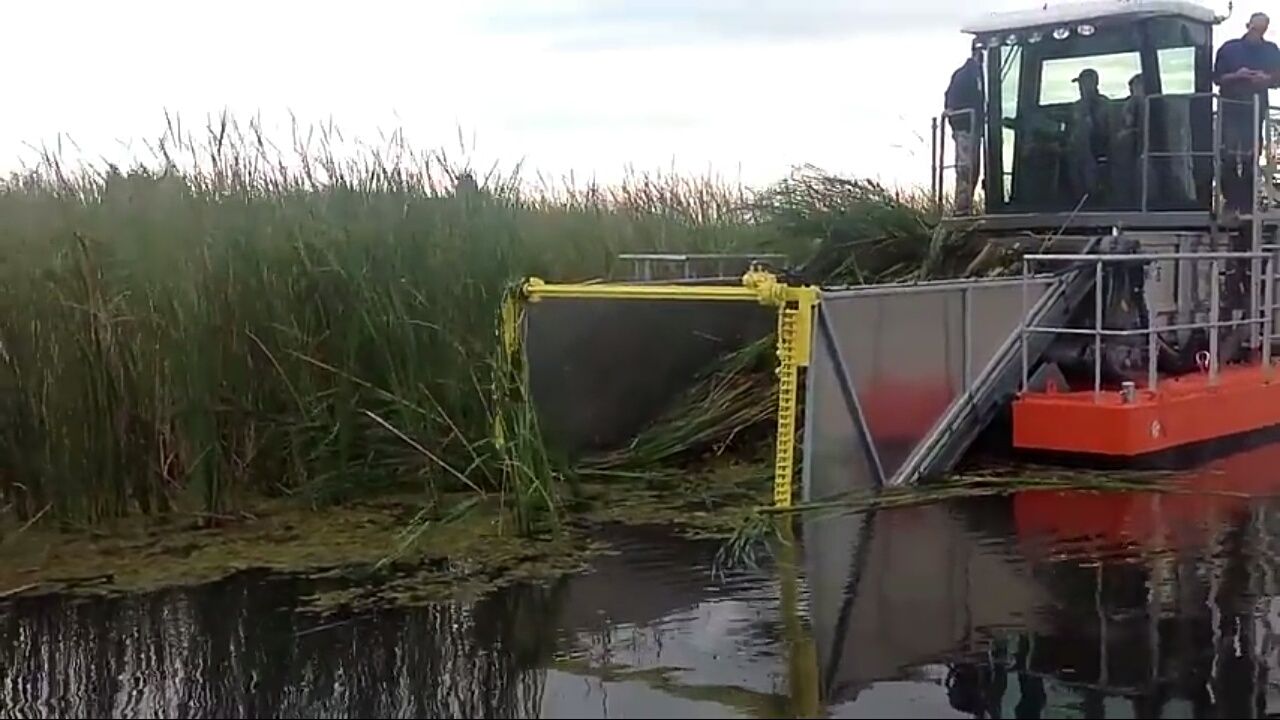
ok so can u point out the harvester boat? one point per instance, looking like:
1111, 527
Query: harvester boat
1142, 321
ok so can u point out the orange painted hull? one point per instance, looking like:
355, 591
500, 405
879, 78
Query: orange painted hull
1181, 411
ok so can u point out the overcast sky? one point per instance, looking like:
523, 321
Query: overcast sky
742, 88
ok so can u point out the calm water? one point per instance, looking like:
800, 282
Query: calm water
1040, 605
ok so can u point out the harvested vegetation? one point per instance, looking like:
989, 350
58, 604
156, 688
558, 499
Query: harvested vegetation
231, 321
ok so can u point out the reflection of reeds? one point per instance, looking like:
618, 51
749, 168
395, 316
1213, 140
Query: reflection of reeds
234, 649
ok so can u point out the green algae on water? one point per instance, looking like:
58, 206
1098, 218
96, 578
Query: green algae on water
362, 546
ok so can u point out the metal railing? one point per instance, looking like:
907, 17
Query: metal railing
1268, 140
1215, 153
1271, 168
1256, 319
642, 264
938, 161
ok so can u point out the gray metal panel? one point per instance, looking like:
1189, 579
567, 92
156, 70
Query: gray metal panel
911, 353
997, 314
998, 382
599, 370
904, 352
836, 459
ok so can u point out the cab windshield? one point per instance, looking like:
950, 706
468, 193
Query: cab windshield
1073, 117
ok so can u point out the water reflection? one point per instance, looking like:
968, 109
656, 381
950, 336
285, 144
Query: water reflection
235, 650
1055, 603
1046, 604
646, 631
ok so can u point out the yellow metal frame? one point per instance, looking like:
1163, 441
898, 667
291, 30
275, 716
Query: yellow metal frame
794, 343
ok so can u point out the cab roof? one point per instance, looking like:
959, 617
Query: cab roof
1091, 10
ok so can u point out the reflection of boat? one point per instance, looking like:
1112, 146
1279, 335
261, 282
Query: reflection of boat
1111, 604
1203, 499
896, 589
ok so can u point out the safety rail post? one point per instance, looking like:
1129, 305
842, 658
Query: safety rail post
1022, 323
935, 166
1258, 130
1097, 331
1255, 224
1274, 256
1153, 354
1146, 150
1268, 301
942, 164
1217, 160
1215, 271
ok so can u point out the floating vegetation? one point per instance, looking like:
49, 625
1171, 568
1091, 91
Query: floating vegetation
757, 534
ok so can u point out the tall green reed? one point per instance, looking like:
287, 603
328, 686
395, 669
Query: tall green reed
229, 319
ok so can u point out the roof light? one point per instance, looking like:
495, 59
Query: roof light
1011, 40
1086, 30
1062, 33
1035, 37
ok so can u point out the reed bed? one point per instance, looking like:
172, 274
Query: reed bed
230, 319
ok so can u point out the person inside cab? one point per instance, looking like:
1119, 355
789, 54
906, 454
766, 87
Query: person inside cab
1128, 165
964, 101
1089, 140
1244, 69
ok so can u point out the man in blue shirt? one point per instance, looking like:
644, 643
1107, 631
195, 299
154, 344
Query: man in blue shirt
964, 100
1245, 69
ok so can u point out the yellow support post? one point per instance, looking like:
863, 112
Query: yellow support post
788, 401
795, 324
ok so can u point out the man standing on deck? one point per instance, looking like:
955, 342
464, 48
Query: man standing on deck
964, 101
1245, 68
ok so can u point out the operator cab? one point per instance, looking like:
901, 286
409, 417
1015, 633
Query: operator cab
1051, 154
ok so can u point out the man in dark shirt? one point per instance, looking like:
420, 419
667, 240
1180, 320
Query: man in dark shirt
964, 101
1245, 68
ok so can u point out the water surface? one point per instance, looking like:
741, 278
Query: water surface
1043, 604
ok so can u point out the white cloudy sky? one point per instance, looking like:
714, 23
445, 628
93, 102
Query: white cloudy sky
742, 88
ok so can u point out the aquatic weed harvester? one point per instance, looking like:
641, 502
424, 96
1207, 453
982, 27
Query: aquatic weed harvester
1142, 322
